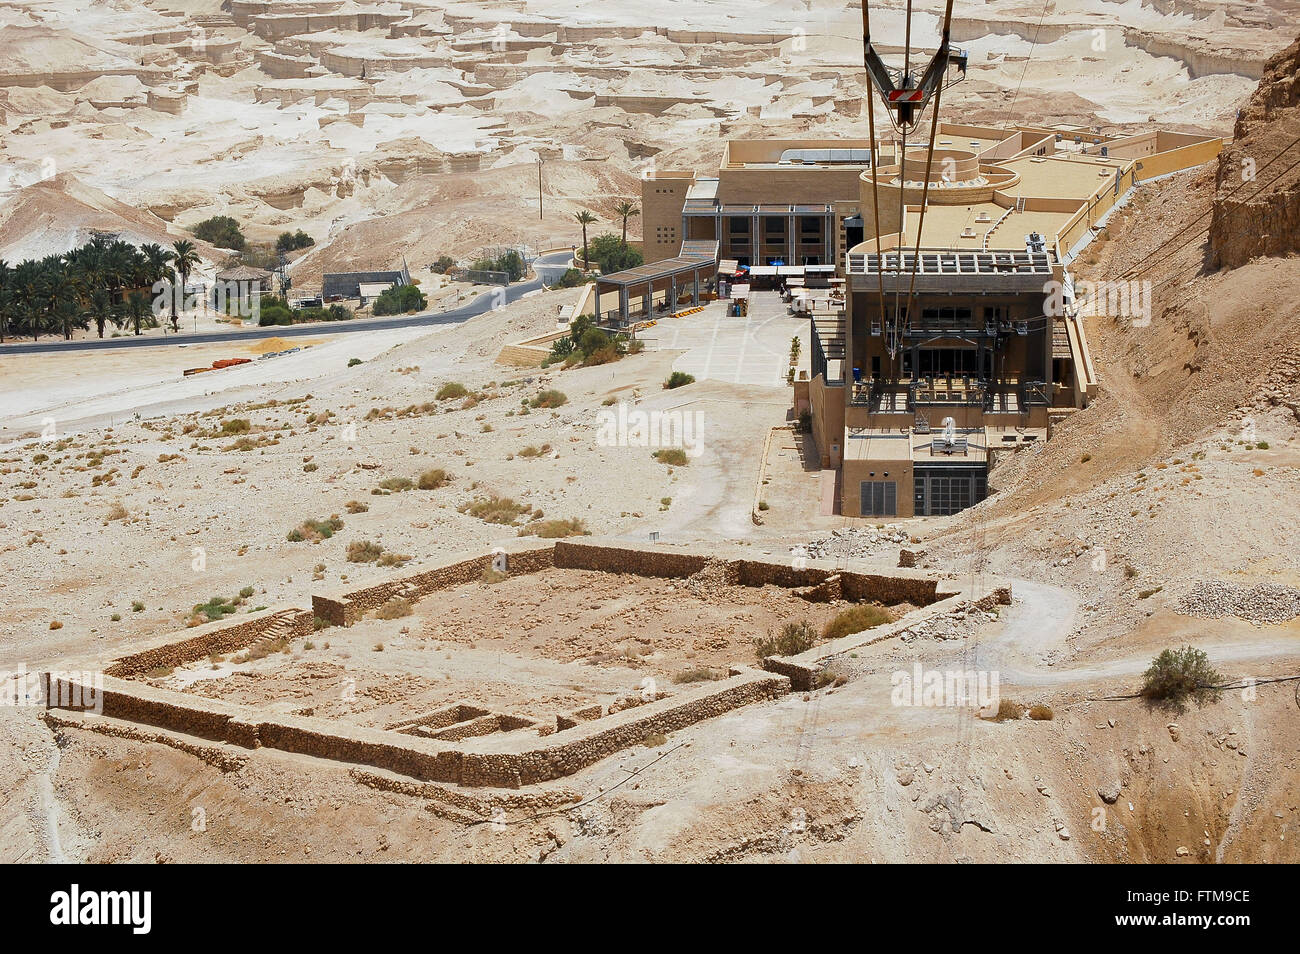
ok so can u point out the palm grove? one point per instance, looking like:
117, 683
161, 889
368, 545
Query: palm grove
104, 282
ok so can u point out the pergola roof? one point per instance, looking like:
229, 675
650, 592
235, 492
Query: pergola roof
654, 272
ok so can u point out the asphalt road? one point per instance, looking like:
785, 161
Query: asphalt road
549, 266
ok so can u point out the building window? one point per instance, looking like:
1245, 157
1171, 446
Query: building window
879, 498
738, 226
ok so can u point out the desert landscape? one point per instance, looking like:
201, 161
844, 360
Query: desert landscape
389, 590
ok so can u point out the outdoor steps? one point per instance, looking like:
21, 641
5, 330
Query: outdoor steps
280, 627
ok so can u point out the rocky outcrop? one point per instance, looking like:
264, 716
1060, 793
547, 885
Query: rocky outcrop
1257, 200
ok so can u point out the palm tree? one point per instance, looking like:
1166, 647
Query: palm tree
586, 218
626, 209
158, 265
137, 305
6, 296
185, 260
101, 309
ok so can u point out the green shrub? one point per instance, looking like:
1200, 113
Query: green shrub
552, 529
698, 674
400, 300
494, 509
672, 456
353, 362
609, 252
855, 619
1177, 675
450, 390
678, 379
794, 638
315, 530
221, 231
292, 241
363, 551
216, 608
550, 398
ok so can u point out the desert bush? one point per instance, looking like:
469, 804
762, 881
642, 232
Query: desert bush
672, 456
235, 425
395, 608
364, 551
531, 451
1177, 675
356, 506
1009, 709
794, 638
678, 379
433, 479
855, 619
697, 674
353, 362
393, 559
494, 509
218, 607
452, 389
396, 484
552, 529
315, 531
830, 675
1041, 713
549, 398
117, 511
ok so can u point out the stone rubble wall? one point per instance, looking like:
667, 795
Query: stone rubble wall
422, 758
590, 742
862, 587
219, 639
803, 669
347, 608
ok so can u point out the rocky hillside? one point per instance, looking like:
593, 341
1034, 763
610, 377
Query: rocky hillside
1261, 217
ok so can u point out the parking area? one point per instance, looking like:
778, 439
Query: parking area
750, 350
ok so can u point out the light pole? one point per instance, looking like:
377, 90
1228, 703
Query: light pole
539, 188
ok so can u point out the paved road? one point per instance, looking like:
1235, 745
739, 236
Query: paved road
548, 266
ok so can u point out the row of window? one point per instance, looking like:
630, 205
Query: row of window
935, 494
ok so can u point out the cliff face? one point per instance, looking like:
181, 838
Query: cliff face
1262, 217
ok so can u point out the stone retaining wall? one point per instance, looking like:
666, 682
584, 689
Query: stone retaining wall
421, 758
803, 669
590, 742
219, 639
347, 608
862, 587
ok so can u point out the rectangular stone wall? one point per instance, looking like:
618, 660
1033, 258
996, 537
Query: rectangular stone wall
591, 556
219, 639
590, 742
347, 608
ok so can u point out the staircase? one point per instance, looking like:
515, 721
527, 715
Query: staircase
279, 626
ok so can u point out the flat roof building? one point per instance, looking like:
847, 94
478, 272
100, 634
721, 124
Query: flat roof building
927, 365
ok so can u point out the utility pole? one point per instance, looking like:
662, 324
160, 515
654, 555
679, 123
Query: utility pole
539, 188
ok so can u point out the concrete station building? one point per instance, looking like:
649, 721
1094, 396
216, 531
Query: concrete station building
911, 405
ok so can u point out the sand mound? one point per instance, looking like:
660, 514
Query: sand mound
269, 345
